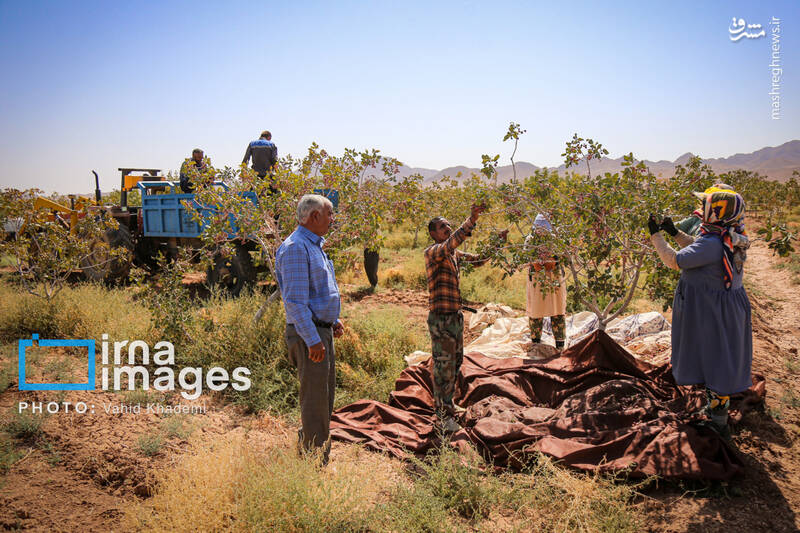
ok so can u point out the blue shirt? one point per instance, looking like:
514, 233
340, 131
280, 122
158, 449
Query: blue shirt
307, 283
264, 154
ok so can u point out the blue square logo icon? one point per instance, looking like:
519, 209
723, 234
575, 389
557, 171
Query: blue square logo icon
71, 343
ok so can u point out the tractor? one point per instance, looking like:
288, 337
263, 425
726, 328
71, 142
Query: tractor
160, 225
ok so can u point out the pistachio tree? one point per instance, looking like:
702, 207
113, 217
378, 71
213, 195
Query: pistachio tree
256, 214
599, 228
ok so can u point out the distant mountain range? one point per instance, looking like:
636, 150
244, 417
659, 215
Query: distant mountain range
774, 162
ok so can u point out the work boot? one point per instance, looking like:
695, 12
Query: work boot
723, 430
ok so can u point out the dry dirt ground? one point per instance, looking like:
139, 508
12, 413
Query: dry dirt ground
87, 468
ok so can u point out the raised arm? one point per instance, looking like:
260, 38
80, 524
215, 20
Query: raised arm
444, 249
476, 260
438, 252
683, 239
678, 231
472, 259
664, 250
686, 224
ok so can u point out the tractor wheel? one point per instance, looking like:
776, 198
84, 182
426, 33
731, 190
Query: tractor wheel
232, 273
145, 253
99, 267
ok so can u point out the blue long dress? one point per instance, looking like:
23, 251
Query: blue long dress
712, 335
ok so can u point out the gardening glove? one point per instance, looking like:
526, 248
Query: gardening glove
668, 226
652, 225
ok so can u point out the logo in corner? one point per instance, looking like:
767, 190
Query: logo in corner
71, 343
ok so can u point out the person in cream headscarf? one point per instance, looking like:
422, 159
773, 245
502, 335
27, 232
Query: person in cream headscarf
712, 334
546, 294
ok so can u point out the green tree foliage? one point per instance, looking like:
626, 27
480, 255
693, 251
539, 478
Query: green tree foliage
46, 246
599, 227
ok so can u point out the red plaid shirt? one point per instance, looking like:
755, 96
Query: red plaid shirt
442, 266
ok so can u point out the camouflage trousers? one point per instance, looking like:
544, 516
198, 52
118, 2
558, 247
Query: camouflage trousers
558, 323
447, 343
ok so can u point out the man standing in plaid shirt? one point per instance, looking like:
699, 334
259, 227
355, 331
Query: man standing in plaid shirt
445, 319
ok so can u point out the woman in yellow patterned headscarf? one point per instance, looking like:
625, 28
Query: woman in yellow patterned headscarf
723, 216
712, 334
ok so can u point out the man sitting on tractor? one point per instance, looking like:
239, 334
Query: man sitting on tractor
192, 168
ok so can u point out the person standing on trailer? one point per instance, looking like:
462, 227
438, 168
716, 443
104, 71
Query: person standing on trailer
264, 154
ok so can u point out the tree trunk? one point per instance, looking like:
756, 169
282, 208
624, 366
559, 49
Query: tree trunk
261, 310
371, 259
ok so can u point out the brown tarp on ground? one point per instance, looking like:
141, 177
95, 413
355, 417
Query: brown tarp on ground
593, 407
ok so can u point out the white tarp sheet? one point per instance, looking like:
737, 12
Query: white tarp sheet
644, 334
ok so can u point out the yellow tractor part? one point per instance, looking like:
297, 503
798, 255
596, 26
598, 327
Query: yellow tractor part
80, 203
131, 181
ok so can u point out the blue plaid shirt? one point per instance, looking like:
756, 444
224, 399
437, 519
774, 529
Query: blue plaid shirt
307, 283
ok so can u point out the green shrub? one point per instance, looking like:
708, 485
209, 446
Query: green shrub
24, 426
149, 443
141, 396
369, 356
7, 376
60, 369
444, 487
234, 340
412, 510
228, 486
231, 485
792, 364
403, 268
8, 455
401, 239
290, 494
176, 426
547, 497
84, 311
460, 487
23, 314
53, 457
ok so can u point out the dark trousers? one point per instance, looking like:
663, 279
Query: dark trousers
317, 387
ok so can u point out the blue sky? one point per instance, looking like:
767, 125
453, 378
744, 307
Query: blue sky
101, 85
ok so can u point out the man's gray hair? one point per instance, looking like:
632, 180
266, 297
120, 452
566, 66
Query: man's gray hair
310, 203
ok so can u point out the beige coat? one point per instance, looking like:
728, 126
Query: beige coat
540, 303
